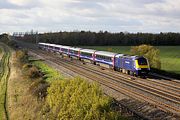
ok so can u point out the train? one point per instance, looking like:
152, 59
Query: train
132, 65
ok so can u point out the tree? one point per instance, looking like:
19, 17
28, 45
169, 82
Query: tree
150, 52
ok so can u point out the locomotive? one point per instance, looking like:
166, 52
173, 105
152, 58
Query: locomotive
133, 65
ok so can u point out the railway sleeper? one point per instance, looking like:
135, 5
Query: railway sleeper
143, 110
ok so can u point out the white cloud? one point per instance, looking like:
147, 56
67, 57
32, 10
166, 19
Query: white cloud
110, 15
20, 2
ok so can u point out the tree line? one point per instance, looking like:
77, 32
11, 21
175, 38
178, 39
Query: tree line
104, 38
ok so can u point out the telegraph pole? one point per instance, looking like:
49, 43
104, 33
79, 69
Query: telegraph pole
37, 40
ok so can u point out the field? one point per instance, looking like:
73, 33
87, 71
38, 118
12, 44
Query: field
169, 55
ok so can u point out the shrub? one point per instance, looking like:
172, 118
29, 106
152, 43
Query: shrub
39, 88
22, 56
77, 99
150, 52
33, 72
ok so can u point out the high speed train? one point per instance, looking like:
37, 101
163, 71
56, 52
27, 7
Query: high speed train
133, 65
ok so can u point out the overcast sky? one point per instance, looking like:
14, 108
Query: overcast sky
111, 15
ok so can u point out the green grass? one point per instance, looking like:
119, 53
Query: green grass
3, 84
50, 73
170, 58
0, 50
169, 55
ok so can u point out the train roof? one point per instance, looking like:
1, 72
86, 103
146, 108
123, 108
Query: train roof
65, 47
57, 45
41, 43
105, 53
47, 44
119, 55
88, 50
75, 48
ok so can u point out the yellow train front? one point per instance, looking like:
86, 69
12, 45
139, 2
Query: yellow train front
133, 65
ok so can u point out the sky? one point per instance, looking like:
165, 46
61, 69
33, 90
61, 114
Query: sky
151, 16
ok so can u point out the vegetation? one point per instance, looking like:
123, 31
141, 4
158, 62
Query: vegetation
1, 50
5, 38
105, 38
49, 73
22, 56
23, 103
66, 98
150, 52
4, 75
76, 99
73, 98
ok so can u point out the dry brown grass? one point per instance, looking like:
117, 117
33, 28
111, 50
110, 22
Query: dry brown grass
22, 105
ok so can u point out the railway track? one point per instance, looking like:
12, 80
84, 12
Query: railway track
170, 85
166, 87
120, 84
4, 82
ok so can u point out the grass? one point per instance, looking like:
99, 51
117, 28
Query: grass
49, 73
1, 50
170, 58
169, 55
22, 105
4, 75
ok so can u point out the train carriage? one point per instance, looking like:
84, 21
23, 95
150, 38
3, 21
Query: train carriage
51, 47
74, 52
105, 59
45, 46
57, 48
41, 45
65, 50
87, 55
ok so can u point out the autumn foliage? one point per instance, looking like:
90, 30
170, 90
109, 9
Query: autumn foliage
77, 99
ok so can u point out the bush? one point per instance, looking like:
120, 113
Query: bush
12, 43
39, 88
22, 56
150, 52
33, 72
77, 99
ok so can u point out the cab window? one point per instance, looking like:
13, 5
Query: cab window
142, 61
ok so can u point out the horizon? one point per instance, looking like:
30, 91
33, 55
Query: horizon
114, 16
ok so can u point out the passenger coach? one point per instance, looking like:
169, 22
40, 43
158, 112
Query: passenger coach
87, 55
103, 57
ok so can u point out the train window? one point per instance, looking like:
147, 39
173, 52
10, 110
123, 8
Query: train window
75, 52
86, 54
142, 61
